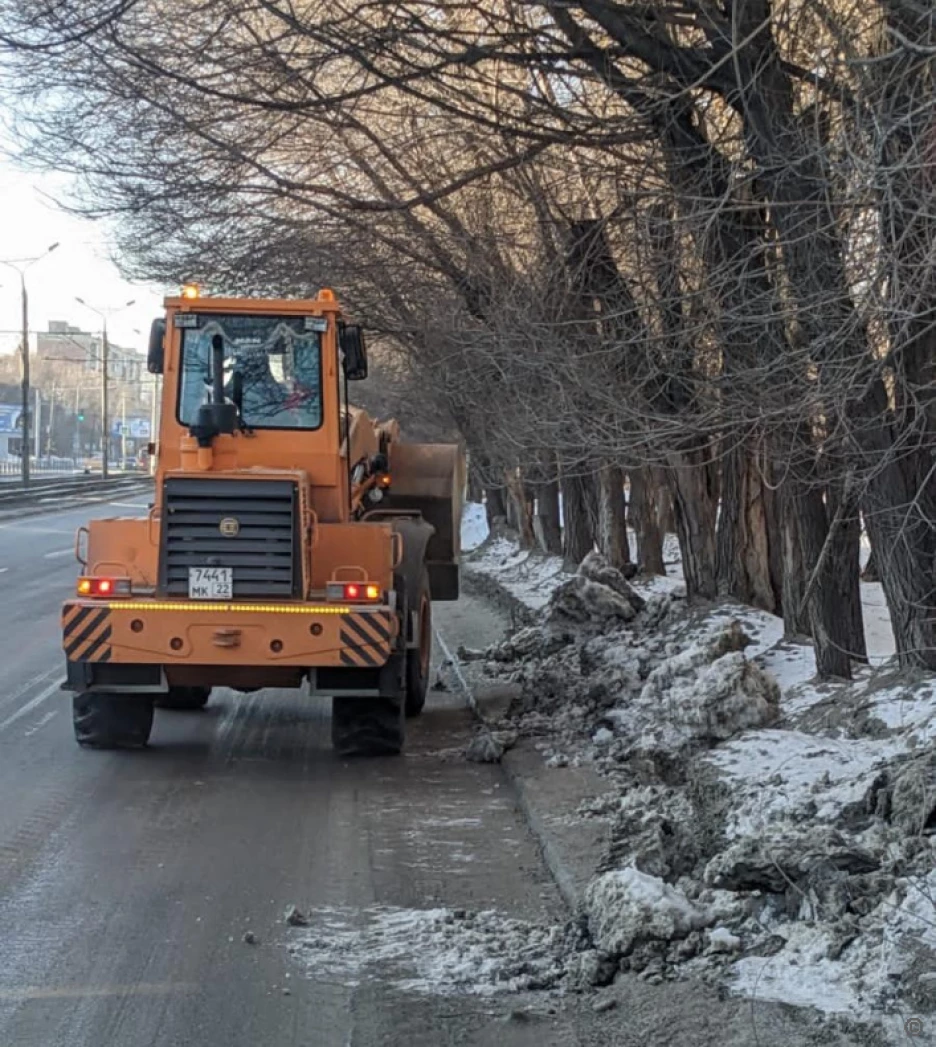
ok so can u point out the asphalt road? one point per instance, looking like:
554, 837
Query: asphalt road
128, 880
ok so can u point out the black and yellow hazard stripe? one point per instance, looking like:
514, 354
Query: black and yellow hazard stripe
86, 633
365, 637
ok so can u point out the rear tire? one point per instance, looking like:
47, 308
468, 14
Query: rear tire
367, 726
419, 659
112, 721
184, 699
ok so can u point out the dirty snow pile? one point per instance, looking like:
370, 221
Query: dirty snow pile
445, 951
609, 675
763, 829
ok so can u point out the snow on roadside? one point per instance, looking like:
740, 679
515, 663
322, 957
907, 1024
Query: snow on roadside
814, 810
780, 775
864, 978
474, 526
439, 952
529, 577
627, 906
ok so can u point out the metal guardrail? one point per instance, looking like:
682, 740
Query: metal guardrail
72, 489
47, 467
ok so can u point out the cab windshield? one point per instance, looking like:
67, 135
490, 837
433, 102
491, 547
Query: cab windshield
279, 360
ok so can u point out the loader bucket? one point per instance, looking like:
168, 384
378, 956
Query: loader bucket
431, 479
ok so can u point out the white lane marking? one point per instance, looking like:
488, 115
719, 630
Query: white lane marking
3, 570
25, 710
129, 505
78, 992
24, 525
25, 688
58, 553
39, 724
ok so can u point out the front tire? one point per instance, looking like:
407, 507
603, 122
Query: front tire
112, 721
184, 699
419, 659
367, 726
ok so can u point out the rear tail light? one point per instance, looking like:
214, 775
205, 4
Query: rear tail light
354, 592
103, 587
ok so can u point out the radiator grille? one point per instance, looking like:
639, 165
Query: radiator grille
263, 552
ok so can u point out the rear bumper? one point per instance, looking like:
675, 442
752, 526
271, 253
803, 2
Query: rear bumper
183, 632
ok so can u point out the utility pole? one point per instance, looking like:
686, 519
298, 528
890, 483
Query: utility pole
21, 265
24, 418
105, 414
123, 428
51, 419
105, 355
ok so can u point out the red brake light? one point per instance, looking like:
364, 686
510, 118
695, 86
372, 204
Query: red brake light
354, 592
104, 587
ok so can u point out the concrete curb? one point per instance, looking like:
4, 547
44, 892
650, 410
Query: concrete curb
488, 588
566, 879
563, 878
571, 850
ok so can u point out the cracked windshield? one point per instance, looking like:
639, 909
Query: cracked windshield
278, 359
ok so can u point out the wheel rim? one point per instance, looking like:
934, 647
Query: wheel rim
425, 636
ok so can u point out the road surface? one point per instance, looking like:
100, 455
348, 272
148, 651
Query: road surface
128, 880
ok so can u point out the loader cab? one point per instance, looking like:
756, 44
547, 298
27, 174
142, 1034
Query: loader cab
254, 384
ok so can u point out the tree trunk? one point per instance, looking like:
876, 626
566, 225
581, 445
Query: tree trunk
475, 485
774, 506
663, 500
795, 614
644, 518
903, 542
744, 536
870, 572
846, 570
826, 556
901, 502
612, 525
901, 489
578, 537
520, 509
495, 505
513, 519
694, 510
547, 525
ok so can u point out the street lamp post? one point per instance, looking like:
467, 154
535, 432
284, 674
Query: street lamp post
21, 265
105, 355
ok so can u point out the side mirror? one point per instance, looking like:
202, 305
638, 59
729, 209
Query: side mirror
155, 355
351, 341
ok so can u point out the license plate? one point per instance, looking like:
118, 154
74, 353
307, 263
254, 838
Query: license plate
211, 583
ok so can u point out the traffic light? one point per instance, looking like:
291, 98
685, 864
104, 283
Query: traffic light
81, 415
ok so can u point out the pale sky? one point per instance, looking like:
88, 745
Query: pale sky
80, 266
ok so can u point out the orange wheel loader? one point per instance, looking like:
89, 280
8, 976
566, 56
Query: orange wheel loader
292, 542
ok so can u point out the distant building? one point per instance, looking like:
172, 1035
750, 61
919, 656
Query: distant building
64, 342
